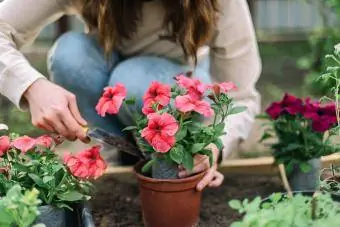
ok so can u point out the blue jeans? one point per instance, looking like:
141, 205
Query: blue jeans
77, 63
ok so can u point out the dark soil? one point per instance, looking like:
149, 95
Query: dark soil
116, 202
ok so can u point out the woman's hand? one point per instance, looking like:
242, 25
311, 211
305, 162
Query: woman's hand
212, 178
55, 109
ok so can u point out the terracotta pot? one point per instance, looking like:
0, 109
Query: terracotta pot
169, 202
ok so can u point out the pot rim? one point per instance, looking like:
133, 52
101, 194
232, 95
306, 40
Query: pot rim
138, 166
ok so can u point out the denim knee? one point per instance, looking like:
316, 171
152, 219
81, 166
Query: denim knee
76, 58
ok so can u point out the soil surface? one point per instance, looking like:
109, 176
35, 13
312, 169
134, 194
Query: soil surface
116, 202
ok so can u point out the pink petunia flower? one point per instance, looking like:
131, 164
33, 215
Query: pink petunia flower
224, 87
111, 100
147, 108
157, 93
24, 143
186, 104
160, 132
195, 88
44, 141
4, 144
87, 164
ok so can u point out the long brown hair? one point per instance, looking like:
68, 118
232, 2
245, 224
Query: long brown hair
189, 22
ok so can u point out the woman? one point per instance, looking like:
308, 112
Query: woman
132, 42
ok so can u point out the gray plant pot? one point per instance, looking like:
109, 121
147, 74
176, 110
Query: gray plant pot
51, 216
300, 181
55, 217
163, 169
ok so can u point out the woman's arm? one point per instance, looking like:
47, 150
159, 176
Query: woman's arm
235, 57
20, 23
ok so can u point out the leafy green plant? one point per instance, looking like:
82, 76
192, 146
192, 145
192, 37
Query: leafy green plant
321, 41
172, 126
333, 74
280, 211
301, 128
32, 163
19, 208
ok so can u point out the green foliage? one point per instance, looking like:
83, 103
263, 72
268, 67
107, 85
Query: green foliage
18, 208
333, 74
41, 168
321, 42
296, 142
280, 211
194, 135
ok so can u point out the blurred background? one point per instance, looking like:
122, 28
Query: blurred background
294, 36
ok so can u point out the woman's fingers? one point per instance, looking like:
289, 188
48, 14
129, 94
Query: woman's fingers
201, 163
208, 177
72, 104
217, 180
74, 128
213, 178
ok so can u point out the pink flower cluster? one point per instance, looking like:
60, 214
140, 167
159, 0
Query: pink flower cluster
24, 143
323, 117
87, 164
161, 129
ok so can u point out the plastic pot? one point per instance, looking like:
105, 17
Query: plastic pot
51, 216
300, 181
169, 202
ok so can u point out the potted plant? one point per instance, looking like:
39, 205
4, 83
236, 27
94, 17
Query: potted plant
301, 128
32, 163
170, 130
330, 177
19, 208
281, 210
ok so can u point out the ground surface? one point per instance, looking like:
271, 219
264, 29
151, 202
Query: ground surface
116, 203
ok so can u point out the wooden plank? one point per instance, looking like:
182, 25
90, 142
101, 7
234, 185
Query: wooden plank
261, 165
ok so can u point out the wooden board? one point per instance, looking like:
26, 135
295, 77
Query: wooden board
261, 165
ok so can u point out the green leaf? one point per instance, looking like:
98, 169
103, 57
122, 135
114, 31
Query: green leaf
47, 179
37, 180
289, 168
235, 204
219, 129
209, 154
194, 127
147, 167
236, 110
293, 146
177, 154
181, 134
71, 196
265, 136
262, 117
188, 161
219, 143
197, 147
129, 128
130, 101
305, 167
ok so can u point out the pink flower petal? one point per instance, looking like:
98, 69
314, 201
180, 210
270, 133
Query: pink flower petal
24, 143
4, 144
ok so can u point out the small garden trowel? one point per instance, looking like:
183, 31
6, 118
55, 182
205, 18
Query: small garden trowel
112, 140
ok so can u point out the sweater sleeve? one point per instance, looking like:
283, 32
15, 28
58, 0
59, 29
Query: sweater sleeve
234, 57
20, 22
